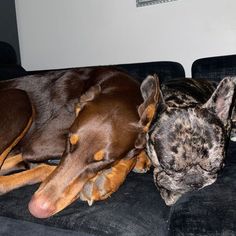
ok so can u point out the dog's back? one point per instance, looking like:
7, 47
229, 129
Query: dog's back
54, 95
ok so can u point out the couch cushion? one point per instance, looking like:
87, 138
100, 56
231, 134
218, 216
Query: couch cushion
7, 54
11, 71
136, 209
8, 63
165, 70
210, 211
214, 68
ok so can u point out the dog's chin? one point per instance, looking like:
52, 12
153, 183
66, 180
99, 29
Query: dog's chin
169, 197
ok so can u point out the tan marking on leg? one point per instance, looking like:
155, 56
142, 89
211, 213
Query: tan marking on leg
98, 156
28, 177
12, 163
143, 163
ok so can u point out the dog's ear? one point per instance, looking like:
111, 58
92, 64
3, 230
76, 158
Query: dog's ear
221, 101
151, 93
88, 96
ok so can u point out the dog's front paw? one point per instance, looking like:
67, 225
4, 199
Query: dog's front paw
97, 188
106, 182
143, 163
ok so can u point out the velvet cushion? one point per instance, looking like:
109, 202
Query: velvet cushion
8, 63
7, 54
11, 71
214, 68
135, 209
165, 70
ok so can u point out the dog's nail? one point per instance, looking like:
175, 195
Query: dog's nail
90, 202
82, 196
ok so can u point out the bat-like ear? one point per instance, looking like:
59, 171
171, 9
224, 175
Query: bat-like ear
222, 100
151, 93
88, 96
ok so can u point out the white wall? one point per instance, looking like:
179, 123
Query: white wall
70, 33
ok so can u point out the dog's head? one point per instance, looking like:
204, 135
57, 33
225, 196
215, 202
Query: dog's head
187, 145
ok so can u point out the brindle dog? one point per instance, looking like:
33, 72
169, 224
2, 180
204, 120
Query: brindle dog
86, 120
187, 138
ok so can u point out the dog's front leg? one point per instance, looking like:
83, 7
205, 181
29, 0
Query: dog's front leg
27, 177
108, 181
13, 164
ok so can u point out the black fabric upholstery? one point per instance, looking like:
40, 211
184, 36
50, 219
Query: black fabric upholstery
164, 69
7, 54
11, 71
136, 209
214, 68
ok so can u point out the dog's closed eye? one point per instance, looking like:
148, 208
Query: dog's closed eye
212, 167
98, 156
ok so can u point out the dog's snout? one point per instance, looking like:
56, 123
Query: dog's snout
194, 181
41, 207
196, 185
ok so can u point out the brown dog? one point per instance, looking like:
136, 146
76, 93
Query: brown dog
97, 145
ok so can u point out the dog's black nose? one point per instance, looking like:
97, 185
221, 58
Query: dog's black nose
196, 185
194, 181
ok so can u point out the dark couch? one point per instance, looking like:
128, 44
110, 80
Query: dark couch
136, 208
8, 63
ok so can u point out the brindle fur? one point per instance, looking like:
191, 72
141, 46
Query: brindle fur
187, 138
